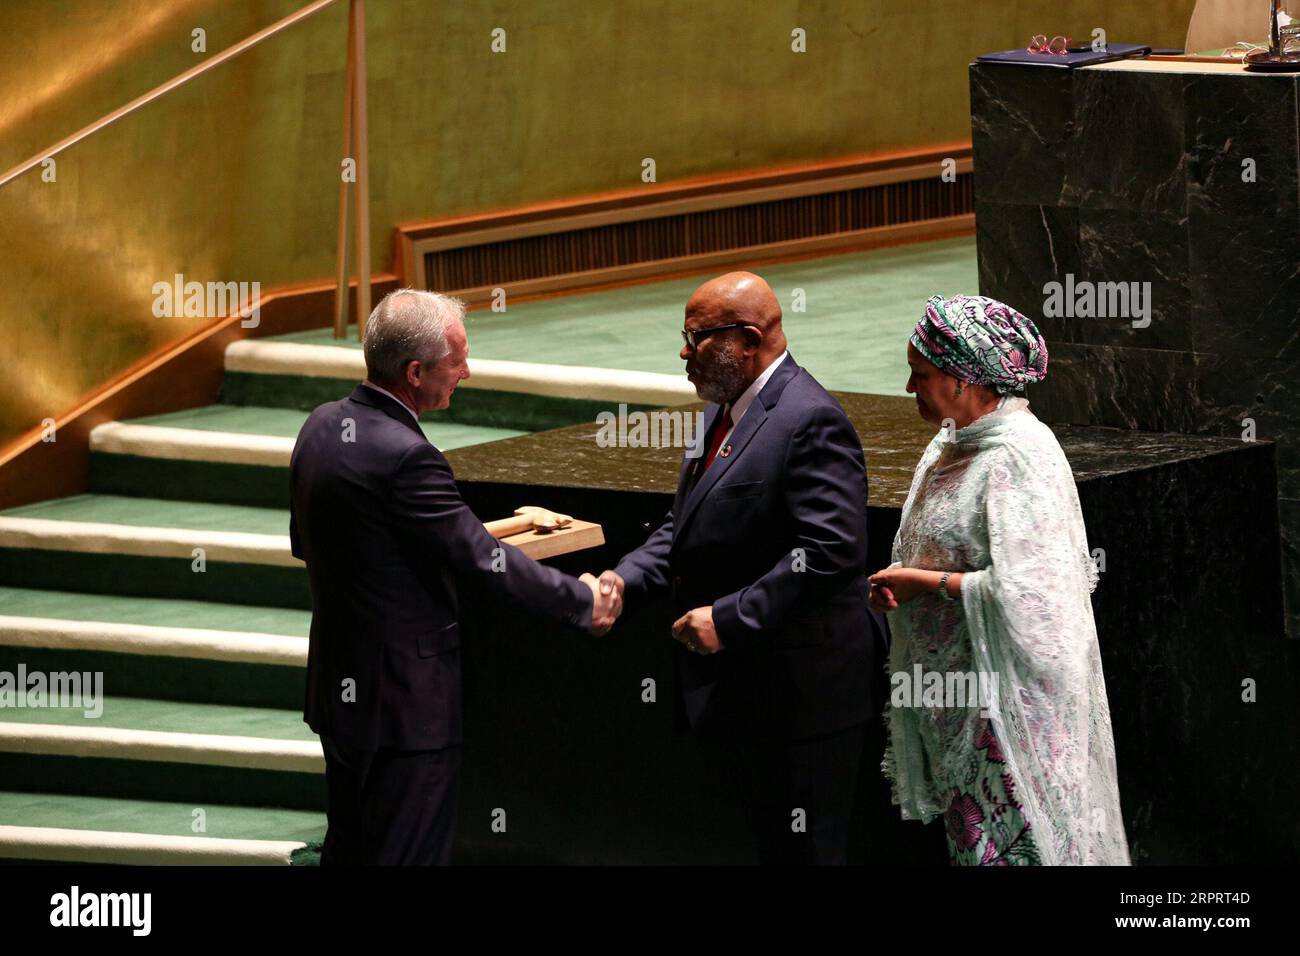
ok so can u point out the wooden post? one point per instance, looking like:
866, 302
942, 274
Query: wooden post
354, 148
362, 240
341, 291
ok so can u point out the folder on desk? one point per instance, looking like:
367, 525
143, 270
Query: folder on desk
1113, 51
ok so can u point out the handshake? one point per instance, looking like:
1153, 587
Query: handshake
694, 629
606, 600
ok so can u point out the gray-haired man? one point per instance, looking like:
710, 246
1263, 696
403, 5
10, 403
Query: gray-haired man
377, 517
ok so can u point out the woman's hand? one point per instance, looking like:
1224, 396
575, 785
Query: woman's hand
894, 586
881, 598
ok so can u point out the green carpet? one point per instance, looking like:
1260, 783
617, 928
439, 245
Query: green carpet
287, 422
223, 582
139, 779
154, 612
157, 677
860, 309
158, 512
155, 816
134, 713
493, 413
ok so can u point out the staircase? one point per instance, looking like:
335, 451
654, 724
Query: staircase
173, 579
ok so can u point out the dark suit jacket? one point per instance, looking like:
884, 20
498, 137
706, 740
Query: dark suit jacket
384, 532
774, 538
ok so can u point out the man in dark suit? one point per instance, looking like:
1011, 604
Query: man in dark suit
377, 518
764, 555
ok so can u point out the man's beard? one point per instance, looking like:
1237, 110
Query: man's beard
722, 380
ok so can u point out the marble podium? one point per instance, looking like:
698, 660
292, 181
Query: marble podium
1174, 178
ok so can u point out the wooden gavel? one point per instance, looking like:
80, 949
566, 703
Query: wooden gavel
527, 518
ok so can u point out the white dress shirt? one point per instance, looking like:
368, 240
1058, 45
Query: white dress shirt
369, 384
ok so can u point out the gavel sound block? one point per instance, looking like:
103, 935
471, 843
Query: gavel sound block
540, 533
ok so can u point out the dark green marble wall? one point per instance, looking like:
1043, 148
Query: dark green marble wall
1188, 181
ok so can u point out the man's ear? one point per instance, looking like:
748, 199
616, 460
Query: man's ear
753, 338
413, 373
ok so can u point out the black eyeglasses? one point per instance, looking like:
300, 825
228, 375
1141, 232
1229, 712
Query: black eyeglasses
692, 337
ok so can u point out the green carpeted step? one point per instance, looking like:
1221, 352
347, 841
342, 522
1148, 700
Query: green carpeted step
124, 777
489, 410
168, 677
157, 513
157, 648
152, 612
246, 420
260, 486
145, 547
226, 454
287, 422
194, 680
166, 750
95, 829
518, 396
142, 714
859, 309
222, 821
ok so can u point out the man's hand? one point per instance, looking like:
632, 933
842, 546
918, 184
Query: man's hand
611, 582
695, 630
606, 604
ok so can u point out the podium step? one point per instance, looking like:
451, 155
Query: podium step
224, 453
141, 748
174, 650
153, 547
56, 827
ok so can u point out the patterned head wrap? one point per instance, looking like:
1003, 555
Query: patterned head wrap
982, 341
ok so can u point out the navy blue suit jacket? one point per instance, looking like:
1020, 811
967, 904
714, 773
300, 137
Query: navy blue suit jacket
774, 537
385, 535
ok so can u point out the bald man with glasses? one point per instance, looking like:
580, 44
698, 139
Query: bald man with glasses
763, 557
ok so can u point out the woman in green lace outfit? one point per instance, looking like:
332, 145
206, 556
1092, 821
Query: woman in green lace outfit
990, 588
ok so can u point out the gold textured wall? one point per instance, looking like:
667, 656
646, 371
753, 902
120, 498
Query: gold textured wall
234, 177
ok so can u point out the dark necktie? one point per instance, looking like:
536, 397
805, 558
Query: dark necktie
719, 432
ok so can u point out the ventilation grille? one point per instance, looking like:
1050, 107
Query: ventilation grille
715, 230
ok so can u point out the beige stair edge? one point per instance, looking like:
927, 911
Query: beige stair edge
54, 844
266, 357
119, 743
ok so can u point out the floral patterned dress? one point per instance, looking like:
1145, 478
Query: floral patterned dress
985, 823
